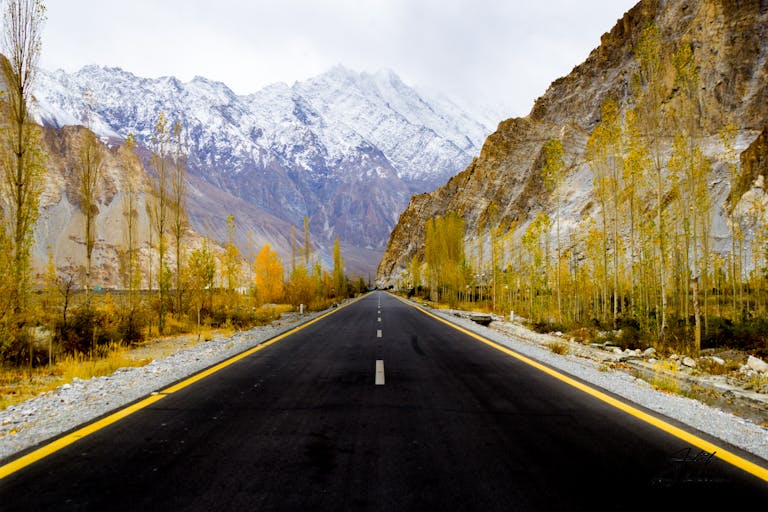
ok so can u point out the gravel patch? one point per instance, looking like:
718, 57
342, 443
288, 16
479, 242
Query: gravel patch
725, 426
27, 424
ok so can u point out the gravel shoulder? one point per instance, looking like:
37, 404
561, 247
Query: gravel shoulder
732, 429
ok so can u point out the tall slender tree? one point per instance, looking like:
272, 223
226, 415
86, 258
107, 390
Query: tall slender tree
553, 174
307, 244
22, 160
339, 279
728, 138
268, 276
130, 251
159, 208
650, 90
89, 173
178, 206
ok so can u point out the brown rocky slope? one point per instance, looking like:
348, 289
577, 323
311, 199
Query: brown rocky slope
502, 186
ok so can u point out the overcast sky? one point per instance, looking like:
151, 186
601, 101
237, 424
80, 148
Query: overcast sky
500, 53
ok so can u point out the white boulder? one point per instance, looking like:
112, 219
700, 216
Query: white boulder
757, 364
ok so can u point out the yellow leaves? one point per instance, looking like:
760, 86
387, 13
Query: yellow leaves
301, 287
268, 275
554, 165
444, 251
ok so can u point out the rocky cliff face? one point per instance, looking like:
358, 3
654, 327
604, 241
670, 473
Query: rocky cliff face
502, 186
59, 230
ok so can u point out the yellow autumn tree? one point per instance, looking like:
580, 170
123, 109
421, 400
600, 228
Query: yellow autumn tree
268, 276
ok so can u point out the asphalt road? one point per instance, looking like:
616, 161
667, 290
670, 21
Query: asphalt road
451, 425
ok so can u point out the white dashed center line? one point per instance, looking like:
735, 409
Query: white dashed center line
379, 372
378, 333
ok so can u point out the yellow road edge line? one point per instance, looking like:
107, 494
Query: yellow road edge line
64, 441
721, 453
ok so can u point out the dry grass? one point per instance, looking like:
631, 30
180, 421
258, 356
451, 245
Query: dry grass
82, 367
18, 385
665, 377
559, 347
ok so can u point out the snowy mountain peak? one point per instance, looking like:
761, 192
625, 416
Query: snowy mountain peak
345, 148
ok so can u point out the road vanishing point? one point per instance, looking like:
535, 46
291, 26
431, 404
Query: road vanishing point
380, 405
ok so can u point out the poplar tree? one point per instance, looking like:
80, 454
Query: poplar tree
22, 160
202, 271
414, 270
694, 169
604, 154
178, 205
728, 138
444, 255
635, 163
650, 91
553, 174
89, 173
231, 264
130, 259
307, 244
268, 275
159, 208
339, 280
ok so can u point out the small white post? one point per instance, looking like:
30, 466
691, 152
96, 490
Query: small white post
301, 309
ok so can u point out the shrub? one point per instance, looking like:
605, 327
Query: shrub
719, 334
629, 335
86, 330
15, 347
559, 347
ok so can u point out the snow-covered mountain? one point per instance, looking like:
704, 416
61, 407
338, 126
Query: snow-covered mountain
347, 149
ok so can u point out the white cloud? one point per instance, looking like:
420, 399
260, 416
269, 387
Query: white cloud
503, 53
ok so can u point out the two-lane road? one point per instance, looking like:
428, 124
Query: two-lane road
378, 407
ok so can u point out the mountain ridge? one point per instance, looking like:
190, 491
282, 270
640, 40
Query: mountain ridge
346, 149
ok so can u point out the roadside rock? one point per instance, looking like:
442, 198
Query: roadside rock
689, 362
757, 364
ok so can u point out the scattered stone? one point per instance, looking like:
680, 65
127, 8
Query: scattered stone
652, 360
674, 357
616, 350
480, 318
718, 360
649, 352
559, 334
757, 364
689, 362
66, 386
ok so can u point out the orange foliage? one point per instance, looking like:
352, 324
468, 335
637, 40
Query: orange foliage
268, 276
